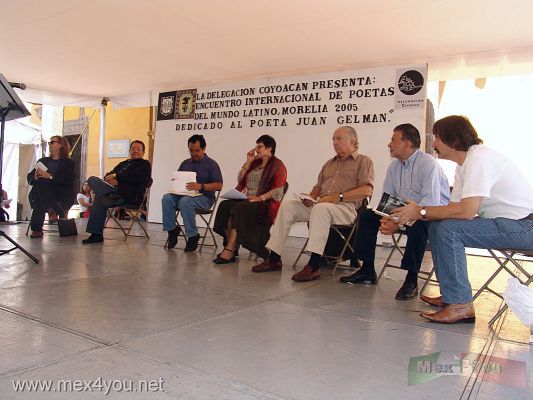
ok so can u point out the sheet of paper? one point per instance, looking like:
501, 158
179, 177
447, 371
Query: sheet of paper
305, 196
234, 194
179, 181
6, 202
41, 166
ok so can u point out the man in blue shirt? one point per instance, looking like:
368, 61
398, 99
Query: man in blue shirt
208, 180
413, 175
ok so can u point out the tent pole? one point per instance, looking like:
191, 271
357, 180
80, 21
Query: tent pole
103, 105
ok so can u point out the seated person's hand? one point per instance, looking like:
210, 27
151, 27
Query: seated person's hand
250, 155
39, 173
408, 214
193, 186
329, 198
254, 199
110, 178
388, 226
307, 203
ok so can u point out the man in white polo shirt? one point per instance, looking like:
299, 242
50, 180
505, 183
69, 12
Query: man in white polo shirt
491, 207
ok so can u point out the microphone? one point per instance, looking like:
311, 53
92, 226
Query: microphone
18, 85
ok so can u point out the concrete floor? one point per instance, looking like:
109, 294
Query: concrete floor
125, 311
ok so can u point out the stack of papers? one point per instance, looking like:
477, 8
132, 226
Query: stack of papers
234, 194
179, 181
305, 196
41, 166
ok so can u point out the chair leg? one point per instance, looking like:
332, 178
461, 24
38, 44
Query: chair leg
485, 286
130, 226
497, 315
428, 279
213, 237
386, 264
134, 215
112, 217
395, 248
299, 255
210, 231
206, 231
346, 245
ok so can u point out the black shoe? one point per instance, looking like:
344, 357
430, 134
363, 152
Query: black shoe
220, 260
409, 290
192, 243
360, 277
173, 237
93, 238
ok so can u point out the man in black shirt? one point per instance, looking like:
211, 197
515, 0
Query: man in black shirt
126, 183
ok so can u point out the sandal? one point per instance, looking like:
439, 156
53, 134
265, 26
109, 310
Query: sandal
220, 260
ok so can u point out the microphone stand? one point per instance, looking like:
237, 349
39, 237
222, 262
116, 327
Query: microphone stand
3, 114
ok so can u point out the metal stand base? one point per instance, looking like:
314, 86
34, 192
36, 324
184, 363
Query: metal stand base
17, 246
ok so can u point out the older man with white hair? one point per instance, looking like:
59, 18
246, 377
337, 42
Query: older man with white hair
343, 183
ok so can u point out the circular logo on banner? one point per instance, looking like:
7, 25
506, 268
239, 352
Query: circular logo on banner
411, 82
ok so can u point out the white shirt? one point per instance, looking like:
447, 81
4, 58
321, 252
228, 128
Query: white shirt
489, 174
83, 197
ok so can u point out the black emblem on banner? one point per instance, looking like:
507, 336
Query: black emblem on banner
166, 106
411, 82
185, 104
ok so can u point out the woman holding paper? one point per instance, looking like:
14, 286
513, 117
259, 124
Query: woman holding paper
53, 184
262, 178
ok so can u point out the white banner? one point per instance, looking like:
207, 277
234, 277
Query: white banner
300, 112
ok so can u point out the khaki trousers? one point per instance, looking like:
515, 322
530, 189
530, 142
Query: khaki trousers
320, 216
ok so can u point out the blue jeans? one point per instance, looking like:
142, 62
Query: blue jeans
448, 239
186, 204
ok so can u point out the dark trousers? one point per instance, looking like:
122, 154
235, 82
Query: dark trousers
101, 190
367, 233
39, 211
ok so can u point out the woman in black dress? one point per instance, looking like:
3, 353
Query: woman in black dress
53, 184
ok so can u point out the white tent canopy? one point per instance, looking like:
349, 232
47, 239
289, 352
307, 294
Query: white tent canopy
22, 132
74, 52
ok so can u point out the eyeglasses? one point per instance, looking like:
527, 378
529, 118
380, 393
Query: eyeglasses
52, 142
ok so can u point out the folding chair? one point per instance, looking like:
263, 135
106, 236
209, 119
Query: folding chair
202, 213
134, 213
397, 248
345, 233
508, 256
47, 223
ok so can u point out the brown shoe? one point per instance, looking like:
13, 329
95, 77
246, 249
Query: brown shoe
267, 266
452, 314
36, 234
433, 301
306, 274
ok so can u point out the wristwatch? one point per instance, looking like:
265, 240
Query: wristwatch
341, 196
50, 177
423, 212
